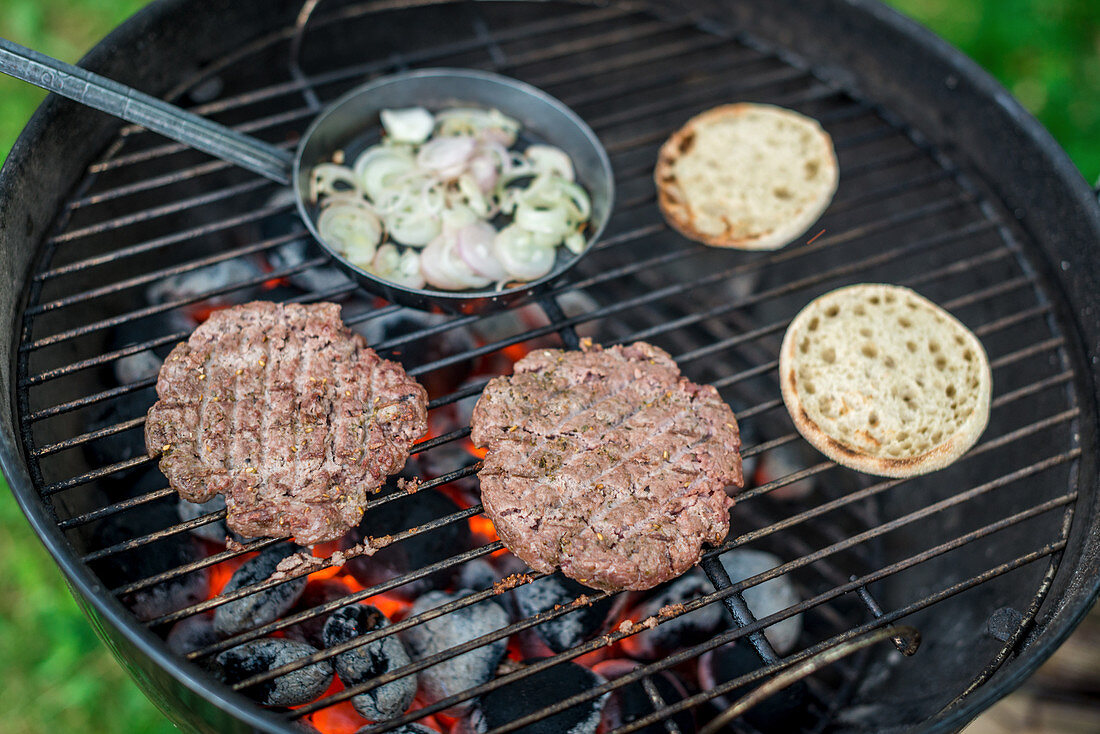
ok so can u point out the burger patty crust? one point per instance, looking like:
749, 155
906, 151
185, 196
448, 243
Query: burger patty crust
606, 463
286, 412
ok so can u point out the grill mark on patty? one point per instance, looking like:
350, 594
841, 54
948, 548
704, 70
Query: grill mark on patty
272, 451
676, 447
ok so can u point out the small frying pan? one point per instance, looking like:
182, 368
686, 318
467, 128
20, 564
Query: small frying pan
347, 125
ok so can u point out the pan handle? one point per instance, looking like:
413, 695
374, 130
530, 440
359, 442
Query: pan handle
151, 113
811, 665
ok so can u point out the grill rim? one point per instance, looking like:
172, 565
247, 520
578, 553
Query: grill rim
1070, 186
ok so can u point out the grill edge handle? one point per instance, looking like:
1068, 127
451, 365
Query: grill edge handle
142, 109
810, 666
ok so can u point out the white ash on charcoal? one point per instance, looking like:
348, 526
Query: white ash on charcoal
146, 364
423, 350
216, 531
196, 284
641, 698
151, 559
520, 320
477, 575
260, 607
445, 632
420, 550
677, 632
296, 252
259, 656
412, 728
784, 711
192, 633
316, 593
571, 629
531, 693
767, 598
369, 661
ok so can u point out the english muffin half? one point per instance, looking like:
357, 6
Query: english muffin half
882, 380
747, 176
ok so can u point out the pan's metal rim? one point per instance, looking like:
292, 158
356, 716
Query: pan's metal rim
456, 299
81, 579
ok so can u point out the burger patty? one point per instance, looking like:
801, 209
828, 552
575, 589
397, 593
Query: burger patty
606, 463
286, 412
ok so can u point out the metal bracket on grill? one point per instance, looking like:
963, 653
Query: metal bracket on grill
738, 609
810, 666
904, 646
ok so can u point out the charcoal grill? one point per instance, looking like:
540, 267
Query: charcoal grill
947, 185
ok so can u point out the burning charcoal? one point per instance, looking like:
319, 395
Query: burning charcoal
316, 594
216, 531
193, 633
369, 661
633, 701
313, 280
477, 575
454, 628
687, 629
151, 559
412, 728
766, 598
783, 461
146, 364
781, 712
290, 689
537, 691
260, 607
424, 350
568, 630
397, 559
197, 283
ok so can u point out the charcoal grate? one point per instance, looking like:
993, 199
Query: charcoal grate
906, 212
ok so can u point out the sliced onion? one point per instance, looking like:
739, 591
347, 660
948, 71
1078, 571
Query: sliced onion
457, 216
378, 176
474, 243
413, 229
402, 268
472, 197
353, 230
410, 125
485, 171
575, 243
446, 157
324, 180
548, 159
549, 220
442, 266
521, 256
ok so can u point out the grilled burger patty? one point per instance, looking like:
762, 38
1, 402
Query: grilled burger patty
607, 463
286, 412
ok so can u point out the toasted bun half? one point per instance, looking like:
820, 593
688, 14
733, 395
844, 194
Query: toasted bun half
747, 176
882, 380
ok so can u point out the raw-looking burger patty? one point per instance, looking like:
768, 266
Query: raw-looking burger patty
607, 463
286, 412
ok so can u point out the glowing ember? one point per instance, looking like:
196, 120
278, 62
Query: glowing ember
219, 573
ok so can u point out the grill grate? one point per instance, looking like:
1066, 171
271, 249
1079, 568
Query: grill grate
906, 212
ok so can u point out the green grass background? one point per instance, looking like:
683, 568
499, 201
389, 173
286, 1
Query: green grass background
55, 676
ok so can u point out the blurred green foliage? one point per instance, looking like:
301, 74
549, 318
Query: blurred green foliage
56, 677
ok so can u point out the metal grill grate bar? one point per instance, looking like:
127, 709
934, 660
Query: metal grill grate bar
734, 543
675, 659
887, 618
748, 452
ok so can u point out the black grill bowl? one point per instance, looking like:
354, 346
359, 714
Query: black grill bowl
947, 185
